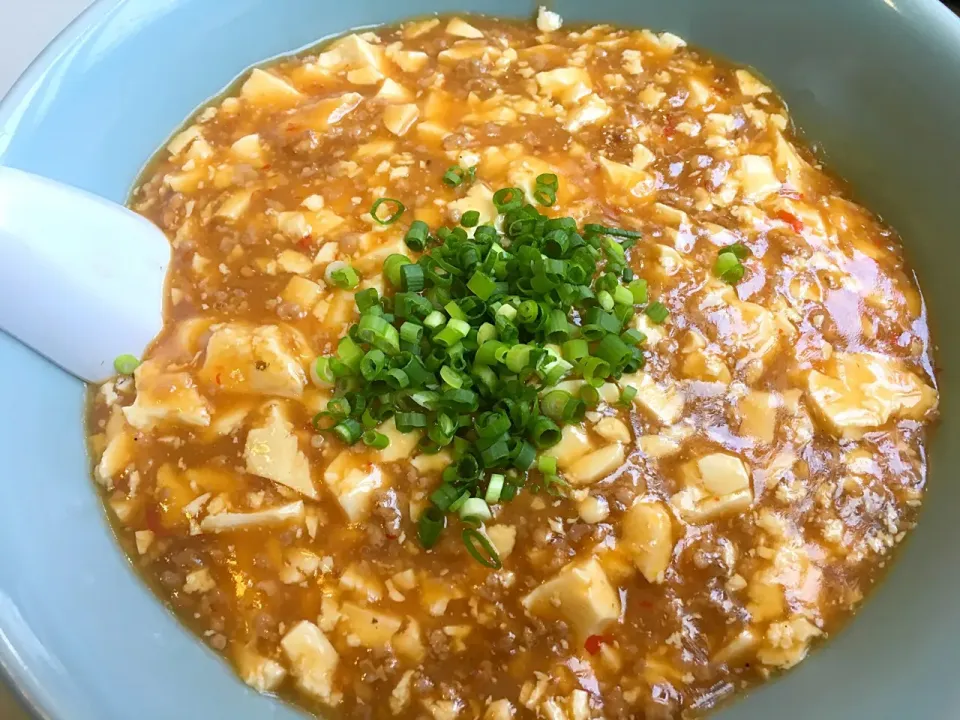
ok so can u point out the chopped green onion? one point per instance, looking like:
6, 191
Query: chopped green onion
657, 312
416, 237
125, 364
321, 372
475, 510
392, 266
341, 275
494, 489
376, 440
372, 364
411, 278
470, 219
728, 268
547, 464
481, 549
390, 219
627, 395
348, 430
429, 527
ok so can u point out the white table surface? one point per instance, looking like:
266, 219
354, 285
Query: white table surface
25, 29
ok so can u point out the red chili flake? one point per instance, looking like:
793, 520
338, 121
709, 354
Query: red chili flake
593, 643
304, 242
670, 129
217, 378
791, 220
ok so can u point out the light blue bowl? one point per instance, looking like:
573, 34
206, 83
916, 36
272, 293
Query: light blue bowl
876, 82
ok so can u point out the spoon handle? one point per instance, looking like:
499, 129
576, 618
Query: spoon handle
81, 278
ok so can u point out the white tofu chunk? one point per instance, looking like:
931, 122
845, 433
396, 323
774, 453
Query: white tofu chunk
758, 415
567, 85
858, 392
581, 594
749, 85
717, 484
199, 581
757, 178
373, 629
182, 140
118, 453
573, 445
461, 28
248, 149
503, 537
354, 482
264, 88
401, 444
625, 179
591, 111
320, 115
313, 661
662, 400
257, 360
351, 53
547, 20
398, 119
648, 537
165, 397
234, 205
272, 452
596, 465
259, 672
613, 429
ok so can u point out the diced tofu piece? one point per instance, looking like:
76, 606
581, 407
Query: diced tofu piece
351, 53
480, 198
744, 329
257, 360
182, 140
503, 537
655, 446
259, 672
622, 178
614, 429
400, 695
398, 119
786, 643
186, 181
664, 400
579, 593
320, 115
648, 537
433, 133
593, 509
394, 92
409, 644
642, 157
591, 111
717, 484
313, 661
272, 452
548, 21
248, 149
757, 178
745, 642
144, 539
118, 453
235, 204
265, 88
758, 415
410, 61
749, 85
373, 629
165, 397
302, 292
434, 463
292, 261
461, 28
596, 465
632, 61
354, 482
573, 445
401, 444
858, 392
567, 85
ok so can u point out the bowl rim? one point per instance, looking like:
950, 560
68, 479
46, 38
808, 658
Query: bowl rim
14, 673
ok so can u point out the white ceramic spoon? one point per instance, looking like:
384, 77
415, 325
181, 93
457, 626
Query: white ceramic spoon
81, 278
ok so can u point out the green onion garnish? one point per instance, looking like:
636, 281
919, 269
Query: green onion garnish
399, 207
468, 344
482, 550
125, 364
728, 267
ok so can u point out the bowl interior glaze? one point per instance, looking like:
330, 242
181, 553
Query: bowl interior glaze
872, 81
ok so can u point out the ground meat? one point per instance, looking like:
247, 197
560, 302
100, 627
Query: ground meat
439, 644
